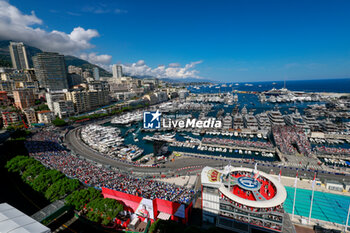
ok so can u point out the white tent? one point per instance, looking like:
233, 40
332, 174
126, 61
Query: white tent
14, 221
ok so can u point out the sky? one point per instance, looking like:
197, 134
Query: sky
227, 41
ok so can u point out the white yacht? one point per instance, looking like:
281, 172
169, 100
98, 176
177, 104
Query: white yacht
275, 117
227, 121
250, 122
238, 121
263, 121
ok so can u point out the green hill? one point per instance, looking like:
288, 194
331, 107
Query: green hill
5, 59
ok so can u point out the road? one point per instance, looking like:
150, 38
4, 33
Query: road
74, 142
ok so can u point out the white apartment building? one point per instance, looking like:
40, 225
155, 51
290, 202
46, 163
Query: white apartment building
54, 96
63, 108
45, 117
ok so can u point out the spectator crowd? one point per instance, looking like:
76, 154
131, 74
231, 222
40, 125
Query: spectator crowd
45, 146
291, 140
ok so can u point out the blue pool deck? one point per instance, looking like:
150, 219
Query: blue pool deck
326, 206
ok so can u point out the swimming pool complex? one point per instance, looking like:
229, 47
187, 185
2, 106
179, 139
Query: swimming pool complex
326, 206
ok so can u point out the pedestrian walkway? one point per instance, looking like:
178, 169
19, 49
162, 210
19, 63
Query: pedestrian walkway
49, 210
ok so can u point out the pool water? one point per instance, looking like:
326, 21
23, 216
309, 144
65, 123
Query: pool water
327, 206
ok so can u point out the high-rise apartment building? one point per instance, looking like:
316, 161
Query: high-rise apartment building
30, 115
24, 98
96, 74
50, 70
117, 71
18, 56
80, 100
85, 100
63, 108
54, 96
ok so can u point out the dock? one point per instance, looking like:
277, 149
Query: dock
255, 149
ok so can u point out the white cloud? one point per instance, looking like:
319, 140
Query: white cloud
140, 63
173, 70
102, 59
102, 9
174, 65
73, 13
17, 26
120, 11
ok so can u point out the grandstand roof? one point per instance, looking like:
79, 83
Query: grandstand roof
14, 221
215, 178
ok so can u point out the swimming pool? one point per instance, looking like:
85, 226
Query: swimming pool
327, 206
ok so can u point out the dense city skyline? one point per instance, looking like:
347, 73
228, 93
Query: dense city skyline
226, 41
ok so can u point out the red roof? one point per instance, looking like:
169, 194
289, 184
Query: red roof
44, 111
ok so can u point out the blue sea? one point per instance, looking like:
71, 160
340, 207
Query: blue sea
322, 85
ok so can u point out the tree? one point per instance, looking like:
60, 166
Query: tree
60, 188
42, 107
59, 122
10, 128
103, 210
154, 226
45, 179
32, 171
19, 163
81, 197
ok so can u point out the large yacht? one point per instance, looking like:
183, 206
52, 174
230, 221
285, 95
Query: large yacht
227, 121
250, 122
238, 121
295, 119
263, 121
311, 122
275, 117
127, 118
329, 127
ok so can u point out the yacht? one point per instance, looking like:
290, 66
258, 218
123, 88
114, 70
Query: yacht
272, 99
227, 121
295, 119
238, 121
262, 98
275, 117
235, 98
127, 118
250, 122
329, 127
263, 121
244, 110
235, 110
311, 122
220, 112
